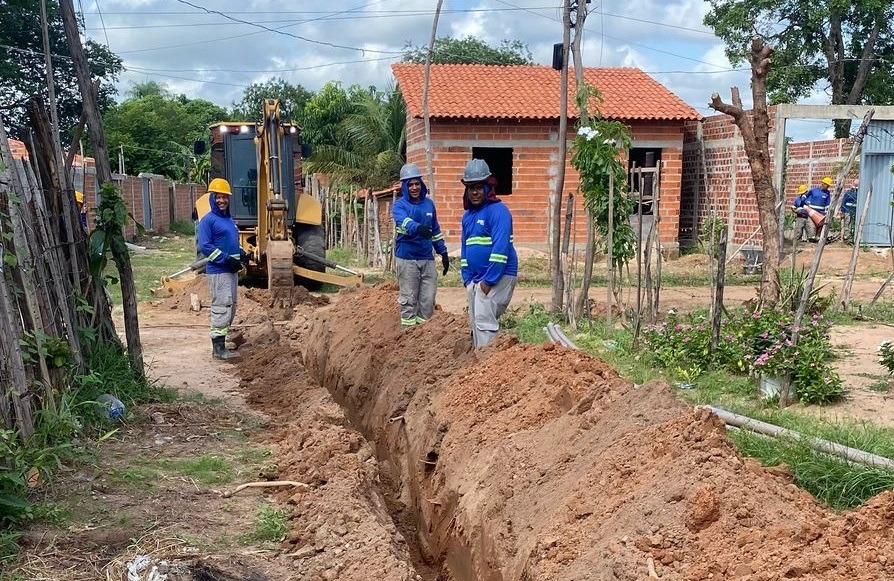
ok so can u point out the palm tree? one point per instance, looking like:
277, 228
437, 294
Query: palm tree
371, 141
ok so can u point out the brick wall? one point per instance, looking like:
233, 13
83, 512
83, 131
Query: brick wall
170, 201
729, 183
534, 172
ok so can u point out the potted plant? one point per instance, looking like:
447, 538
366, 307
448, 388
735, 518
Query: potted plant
775, 363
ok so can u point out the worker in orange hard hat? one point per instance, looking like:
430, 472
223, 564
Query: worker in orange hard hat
218, 239
82, 207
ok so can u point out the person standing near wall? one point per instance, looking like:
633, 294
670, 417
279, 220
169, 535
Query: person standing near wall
218, 240
489, 263
417, 231
848, 211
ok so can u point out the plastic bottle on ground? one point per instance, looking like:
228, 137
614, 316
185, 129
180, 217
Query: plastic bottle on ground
113, 404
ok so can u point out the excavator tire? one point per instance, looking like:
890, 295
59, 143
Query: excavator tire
313, 239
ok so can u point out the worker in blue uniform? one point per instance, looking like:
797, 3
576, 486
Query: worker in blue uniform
489, 263
417, 233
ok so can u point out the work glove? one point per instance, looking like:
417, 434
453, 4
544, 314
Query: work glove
423, 231
234, 264
244, 257
445, 260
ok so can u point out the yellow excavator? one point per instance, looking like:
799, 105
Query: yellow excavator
280, 226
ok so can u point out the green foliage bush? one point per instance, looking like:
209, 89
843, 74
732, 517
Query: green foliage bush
757, 342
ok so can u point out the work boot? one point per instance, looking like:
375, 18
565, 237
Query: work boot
219, 349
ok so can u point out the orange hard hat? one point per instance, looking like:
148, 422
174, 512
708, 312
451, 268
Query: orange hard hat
220, 186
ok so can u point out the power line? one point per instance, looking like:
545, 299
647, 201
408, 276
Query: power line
290, 70
289, 34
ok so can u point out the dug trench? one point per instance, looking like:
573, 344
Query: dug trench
428, 460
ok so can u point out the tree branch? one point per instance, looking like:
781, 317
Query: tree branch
867, 58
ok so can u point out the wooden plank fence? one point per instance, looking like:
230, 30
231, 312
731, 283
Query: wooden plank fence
44, 284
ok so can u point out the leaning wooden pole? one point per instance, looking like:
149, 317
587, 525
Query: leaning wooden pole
845, 296
786, 395
104, 176
555, 232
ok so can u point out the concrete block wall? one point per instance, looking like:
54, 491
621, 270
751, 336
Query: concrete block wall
534, 172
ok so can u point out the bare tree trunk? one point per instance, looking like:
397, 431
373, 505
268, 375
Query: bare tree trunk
755, 135
555, 261
429, 154
104, 175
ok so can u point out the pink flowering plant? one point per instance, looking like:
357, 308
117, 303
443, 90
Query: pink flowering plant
757, 342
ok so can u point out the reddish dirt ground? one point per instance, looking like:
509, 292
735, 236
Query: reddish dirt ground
536, 462
428, 461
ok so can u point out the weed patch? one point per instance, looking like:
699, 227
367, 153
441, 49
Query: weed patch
270, 526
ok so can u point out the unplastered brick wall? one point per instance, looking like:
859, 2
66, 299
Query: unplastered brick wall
723, 185
535, 167
808, 162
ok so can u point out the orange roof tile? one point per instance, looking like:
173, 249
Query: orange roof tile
532, 92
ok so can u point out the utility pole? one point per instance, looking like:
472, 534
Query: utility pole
555, 259
429, 154
104, 176
121, 159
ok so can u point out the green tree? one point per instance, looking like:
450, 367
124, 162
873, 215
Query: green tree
323, 114
157, 130
367, 144
22, 65
292, 99
466, 50
846, 44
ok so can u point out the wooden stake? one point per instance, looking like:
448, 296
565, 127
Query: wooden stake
845, 296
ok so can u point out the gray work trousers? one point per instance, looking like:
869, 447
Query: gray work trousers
847, 228
222, 287
418, 286
485, 310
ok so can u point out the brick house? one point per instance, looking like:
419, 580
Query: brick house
508, 115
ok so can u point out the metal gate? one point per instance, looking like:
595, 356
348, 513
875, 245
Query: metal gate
147, 203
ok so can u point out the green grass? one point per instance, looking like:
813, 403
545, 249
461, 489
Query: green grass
161, 258
183, 227
136, 477
207, 469
830, 480
881, 311
271, 526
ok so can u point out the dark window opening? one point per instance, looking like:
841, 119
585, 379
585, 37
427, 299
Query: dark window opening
642, 157
499, 160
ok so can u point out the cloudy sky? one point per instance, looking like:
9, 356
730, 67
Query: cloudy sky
212, 49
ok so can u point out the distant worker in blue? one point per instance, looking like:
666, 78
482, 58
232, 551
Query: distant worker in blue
817, 199
218, 240
489, 264
848, 211
417, 234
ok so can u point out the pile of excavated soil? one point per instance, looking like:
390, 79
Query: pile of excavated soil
522, 462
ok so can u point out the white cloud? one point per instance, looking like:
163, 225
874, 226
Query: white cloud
212, 57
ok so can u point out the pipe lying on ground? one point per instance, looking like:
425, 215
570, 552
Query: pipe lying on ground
840, 450
556, 334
